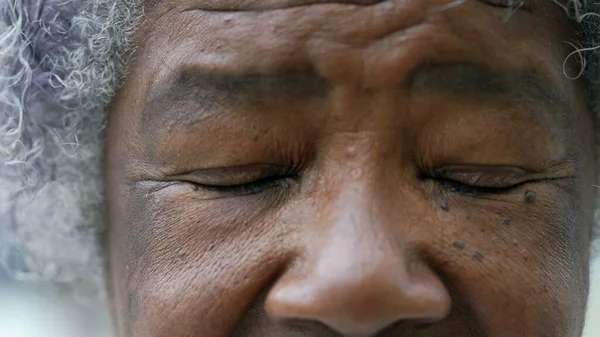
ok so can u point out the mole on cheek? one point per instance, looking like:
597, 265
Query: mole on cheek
477, 255
529, 197
460, 244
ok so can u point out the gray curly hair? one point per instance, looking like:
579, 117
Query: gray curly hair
60, 63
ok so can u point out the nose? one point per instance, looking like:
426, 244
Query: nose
356, 278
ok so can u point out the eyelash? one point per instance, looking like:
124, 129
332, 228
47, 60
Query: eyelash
450, 184
516, 4
462, 188
282, 182
253, 187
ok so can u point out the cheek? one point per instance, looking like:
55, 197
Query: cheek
521, 263
197, 267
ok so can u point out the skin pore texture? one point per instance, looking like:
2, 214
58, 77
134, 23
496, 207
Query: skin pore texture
397, 168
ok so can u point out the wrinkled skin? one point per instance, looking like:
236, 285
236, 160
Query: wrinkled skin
286, 168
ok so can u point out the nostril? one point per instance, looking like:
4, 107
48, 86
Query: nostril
423, 325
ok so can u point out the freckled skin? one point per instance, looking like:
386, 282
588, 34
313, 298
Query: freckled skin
377, 203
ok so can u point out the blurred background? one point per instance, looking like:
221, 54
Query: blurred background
25, 312
31, 312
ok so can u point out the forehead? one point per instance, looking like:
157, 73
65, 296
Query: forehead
350, 40
372, 44
290, 28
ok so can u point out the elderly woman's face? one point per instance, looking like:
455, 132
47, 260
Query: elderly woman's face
350, 168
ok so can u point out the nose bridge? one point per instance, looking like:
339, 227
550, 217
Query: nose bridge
358, 243
355, 228
359, 246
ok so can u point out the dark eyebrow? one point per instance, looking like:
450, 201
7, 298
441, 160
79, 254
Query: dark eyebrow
295, 85
202, 94
466, 79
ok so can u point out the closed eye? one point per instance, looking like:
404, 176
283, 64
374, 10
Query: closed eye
234, 181
254, 187
509, 4
477, 180
463, 188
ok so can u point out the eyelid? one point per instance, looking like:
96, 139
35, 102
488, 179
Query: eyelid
485, 176
508, 4
232, 176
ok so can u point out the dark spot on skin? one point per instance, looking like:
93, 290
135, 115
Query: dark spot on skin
444, 205
211, 247
515, 242
477, 255
546, 288
132, 300
529, 197
460, 244
181, 252
506, 220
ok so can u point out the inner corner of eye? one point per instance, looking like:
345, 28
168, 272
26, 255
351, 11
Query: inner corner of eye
426, 175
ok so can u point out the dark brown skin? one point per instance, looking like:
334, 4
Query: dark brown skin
329, 169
